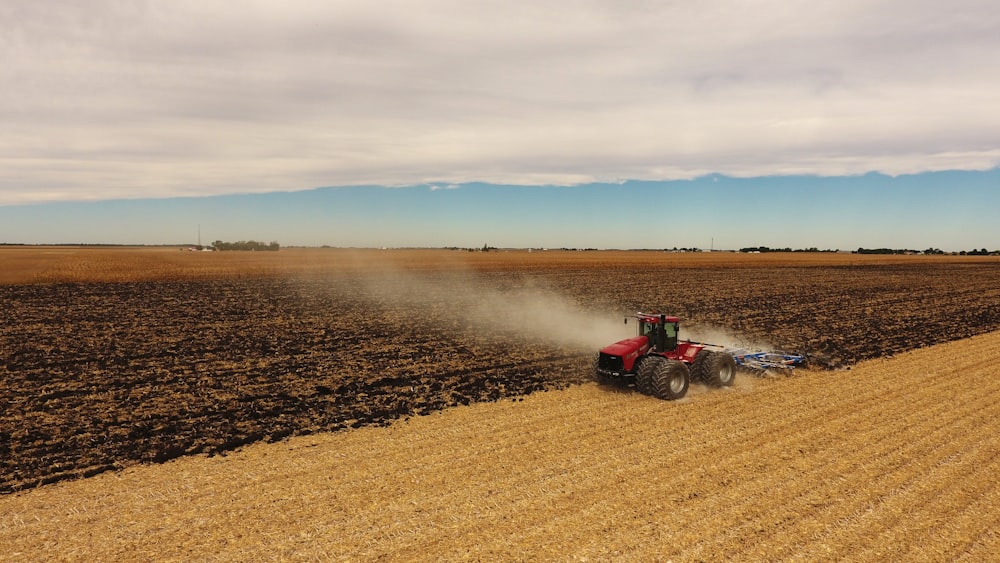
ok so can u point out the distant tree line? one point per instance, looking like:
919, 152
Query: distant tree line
245, 245
885, 251
980, 252
485, 248
862, 250
973, 252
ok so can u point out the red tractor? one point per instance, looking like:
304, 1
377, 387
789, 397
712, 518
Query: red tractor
661, 365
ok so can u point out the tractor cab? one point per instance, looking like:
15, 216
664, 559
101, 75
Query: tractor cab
661, 334
661, 330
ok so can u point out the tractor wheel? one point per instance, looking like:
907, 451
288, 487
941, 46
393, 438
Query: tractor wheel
698, 366
719, 369
670, 380
644, 374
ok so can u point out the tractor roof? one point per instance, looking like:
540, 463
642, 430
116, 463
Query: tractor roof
655, 318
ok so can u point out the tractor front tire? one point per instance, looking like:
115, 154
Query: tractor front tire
670, 380
719, 369
644, 373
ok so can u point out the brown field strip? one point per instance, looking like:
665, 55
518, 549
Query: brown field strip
69, 264
895, 459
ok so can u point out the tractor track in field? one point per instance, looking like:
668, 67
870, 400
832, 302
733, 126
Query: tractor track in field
97, 376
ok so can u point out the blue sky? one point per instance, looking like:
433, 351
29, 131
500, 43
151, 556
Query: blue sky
177, 106
948, 210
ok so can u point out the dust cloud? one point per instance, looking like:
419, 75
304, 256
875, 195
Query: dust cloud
543, 314
506, 306
513, 306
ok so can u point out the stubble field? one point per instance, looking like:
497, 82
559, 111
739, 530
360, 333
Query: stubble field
121, 359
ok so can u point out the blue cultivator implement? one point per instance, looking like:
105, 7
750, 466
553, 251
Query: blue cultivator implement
758, 363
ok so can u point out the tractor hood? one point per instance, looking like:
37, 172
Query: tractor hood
623, 348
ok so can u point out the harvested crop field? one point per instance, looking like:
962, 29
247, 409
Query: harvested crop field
896, 459
111, 358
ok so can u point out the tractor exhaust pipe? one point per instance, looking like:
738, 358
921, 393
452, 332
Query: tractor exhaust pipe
661, 334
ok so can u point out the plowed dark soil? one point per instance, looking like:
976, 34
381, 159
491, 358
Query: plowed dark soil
97, 376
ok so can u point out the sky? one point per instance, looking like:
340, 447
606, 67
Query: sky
548, 117
951, 211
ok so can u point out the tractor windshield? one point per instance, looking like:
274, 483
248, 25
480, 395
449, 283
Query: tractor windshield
663, 334
647, 329
670, 330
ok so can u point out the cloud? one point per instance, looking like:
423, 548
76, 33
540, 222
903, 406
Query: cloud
111, 99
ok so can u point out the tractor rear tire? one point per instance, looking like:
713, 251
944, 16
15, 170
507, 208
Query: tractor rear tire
644, 374
719, 369
670, 380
